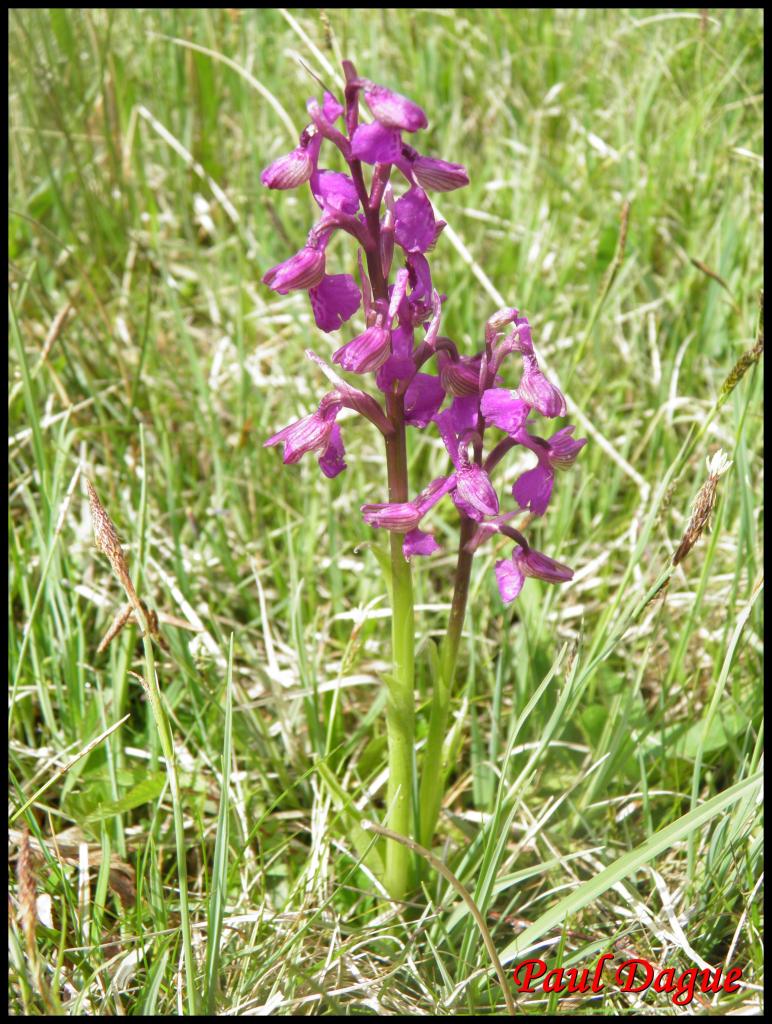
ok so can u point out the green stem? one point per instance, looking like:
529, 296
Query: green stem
400, 708
435, 767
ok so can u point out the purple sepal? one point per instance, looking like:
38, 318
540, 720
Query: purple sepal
563, 449
468, 510
536, 390
534, 563
309, 434
290, 170
331, 108
393, 110
475, 488
366, 352
439, 175
303, 270
399, 517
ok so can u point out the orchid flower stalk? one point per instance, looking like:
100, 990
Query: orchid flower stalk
382, 203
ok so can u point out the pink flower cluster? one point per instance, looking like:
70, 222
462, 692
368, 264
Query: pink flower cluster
466, 395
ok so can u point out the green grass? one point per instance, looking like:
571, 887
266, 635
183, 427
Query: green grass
605, 794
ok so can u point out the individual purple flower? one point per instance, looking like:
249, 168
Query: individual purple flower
303, 270
536, 390
533, 489
315, 433
334, 301
415, 228
393, 110
511, 572
404, 516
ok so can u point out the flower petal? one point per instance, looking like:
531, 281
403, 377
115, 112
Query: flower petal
417, 542
563, 449
332, 461
474, 486
439, 174
424, 396
503, 409
290, 170
393, 110
415, 228
331, 108
335, 192
376, 144
399, 517
536, 390
534, 563
334, 301
533, 489
510, 579
366, 352
303, 270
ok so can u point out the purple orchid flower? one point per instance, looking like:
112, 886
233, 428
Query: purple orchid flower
511, 572
315, 433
